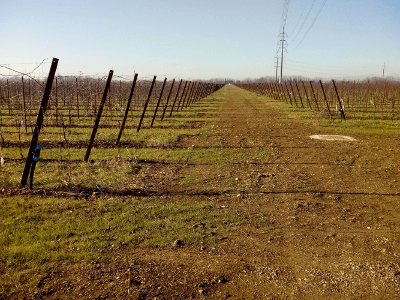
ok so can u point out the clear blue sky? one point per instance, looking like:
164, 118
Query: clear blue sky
202, 39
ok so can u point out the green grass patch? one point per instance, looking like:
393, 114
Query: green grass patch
36, 230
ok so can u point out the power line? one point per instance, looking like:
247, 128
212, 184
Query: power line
302, 25
285, 10
308, 30
325, 67
298, 21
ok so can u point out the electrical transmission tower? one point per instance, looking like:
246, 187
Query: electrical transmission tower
282, 47
276, 68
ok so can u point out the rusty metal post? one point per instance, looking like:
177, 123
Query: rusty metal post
158, 102
39, 121
166, 102
146, 103
127, 109
338, 99
176, 97
326, 101
98, 117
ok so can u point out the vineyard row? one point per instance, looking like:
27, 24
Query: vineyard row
363, 101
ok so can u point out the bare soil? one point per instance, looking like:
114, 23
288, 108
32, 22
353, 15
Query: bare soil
329, 220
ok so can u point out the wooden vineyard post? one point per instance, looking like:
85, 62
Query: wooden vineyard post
8, 98
301, 100
196, 94
24, 100
294, 96
99, 113
326, 101
183, 94
1, 103
183, 99
77, 96
339, 100
146, 103
383, 98
127, 109
189, 96
305, 91
176, 97
272, 92
56, 104
158, 102
341, 94
282, 91
288, 92
39, 121
315, 98
366, 98
278, 91
166, 102
192, 94
352, 102
35, 159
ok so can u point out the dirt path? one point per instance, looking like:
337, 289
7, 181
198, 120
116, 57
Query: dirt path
332, 208
327, 218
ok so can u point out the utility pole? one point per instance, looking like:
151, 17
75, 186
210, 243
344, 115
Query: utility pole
276, 67
283, 40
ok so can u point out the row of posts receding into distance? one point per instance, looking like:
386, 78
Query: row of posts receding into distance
191, 93
301, 94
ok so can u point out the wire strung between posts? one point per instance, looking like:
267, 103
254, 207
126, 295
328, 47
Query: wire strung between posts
28, 74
